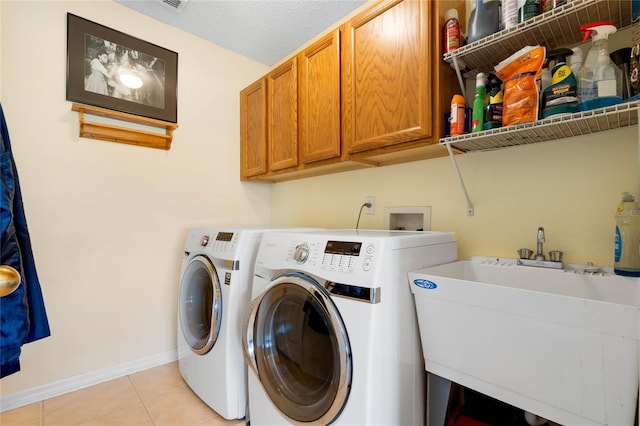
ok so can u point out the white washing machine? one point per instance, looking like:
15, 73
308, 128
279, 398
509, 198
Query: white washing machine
215, 289
332, 334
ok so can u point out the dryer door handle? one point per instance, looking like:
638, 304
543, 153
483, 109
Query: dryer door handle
248, 346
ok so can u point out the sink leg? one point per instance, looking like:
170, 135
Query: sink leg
438, 390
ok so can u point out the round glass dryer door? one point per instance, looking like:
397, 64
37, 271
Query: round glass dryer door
302, 350
200, 306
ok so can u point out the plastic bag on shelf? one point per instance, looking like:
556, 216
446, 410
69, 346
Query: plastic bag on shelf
521, 93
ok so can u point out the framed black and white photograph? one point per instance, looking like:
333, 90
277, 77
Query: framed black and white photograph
109, 69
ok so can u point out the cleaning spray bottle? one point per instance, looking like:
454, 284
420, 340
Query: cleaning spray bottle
575, 60
452, 36
543, 80
561, 97
545, 74
627, 242
599, 79
493, 112
479, 102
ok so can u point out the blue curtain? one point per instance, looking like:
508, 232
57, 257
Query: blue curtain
23, 317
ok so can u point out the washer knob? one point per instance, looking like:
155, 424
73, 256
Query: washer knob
205, 240
301, 254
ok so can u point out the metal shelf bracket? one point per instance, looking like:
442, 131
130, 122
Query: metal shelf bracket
470, 210
456, 66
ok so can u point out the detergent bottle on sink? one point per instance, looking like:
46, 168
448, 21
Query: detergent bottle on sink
627, 237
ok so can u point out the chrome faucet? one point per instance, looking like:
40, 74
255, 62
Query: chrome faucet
555, 256
539, 251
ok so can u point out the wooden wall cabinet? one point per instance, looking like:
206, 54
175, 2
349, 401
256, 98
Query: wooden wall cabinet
303, 116
319, 116
253, 130
387, 57
282, 109
393, 81
371, 92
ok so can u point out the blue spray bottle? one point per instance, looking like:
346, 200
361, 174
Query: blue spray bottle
599, 79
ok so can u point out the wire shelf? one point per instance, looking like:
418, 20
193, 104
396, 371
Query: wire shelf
556, 28
551, 128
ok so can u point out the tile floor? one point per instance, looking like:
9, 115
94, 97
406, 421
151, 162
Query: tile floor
155, 397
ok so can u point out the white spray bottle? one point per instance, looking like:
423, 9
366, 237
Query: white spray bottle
599, 79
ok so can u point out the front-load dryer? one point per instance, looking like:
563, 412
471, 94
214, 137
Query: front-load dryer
215, 289
332, 335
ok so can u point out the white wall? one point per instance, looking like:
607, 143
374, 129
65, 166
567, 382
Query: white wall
108, 220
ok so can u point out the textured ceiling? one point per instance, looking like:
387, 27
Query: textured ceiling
264, 30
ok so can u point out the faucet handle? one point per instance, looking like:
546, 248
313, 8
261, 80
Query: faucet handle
556, 255
525, 253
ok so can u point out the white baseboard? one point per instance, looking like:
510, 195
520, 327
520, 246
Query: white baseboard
40, 393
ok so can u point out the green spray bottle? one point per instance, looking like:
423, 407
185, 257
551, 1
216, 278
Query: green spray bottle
561, 97
477, 115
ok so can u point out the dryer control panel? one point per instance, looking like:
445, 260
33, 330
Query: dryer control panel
334, 255
223, 242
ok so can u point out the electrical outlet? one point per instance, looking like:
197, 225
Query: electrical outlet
370, 199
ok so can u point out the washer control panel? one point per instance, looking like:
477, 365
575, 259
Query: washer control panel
341, 255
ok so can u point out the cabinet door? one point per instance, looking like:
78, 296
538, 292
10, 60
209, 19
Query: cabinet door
387, 59
253, 130
283, 116
319, 100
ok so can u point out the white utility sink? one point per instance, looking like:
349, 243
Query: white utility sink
562, 344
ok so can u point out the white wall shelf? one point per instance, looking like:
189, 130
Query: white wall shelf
552, 128
556, 28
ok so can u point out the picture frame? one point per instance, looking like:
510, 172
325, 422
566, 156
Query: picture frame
110, 69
